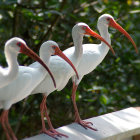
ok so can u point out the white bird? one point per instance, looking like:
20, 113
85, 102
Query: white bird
45, 53
27, 79
11, 50
62, 71
93, 55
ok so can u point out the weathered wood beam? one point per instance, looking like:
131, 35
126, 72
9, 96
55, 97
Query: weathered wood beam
119, 125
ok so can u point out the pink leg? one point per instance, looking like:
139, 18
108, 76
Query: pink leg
9, 127
51, 127
77, 116
42, 113
52, 132
3, 120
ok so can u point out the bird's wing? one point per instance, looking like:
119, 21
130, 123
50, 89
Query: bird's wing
24, 87
34, 65
15, 91
16, 86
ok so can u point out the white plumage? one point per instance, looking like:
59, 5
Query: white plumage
27, 79
61, 70
11, 51
93, 54
59, 73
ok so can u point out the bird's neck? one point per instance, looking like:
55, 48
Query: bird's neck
78, 40
104, 33
11, 58
45, 56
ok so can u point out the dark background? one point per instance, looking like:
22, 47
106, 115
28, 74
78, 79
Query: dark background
114, 84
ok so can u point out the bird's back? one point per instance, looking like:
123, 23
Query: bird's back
91, 58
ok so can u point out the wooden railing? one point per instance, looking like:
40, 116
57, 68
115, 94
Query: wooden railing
119, 125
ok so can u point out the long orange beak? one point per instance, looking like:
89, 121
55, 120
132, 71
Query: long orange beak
115, 25
26, 50
94, 34
62, 55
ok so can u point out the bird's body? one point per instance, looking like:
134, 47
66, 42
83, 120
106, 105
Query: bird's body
93, 55
46, 85
90, 59
26, 80
21, 87
61, 81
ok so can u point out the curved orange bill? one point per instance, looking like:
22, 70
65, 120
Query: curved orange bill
94, 34
115, 25
26, 50
62, 55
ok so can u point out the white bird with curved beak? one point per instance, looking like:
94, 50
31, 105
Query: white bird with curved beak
93, 55
19, 88
11, 51
62, 71
47, 49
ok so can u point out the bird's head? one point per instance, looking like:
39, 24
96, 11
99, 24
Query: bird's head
108, 20
84, 29
81, 28
105, 19
15, 44
54, 49
50, 47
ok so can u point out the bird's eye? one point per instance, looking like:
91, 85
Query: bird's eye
19, 44
54, 47
84, 27
108, 19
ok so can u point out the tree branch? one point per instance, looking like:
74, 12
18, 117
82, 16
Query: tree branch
54, 23
15, 22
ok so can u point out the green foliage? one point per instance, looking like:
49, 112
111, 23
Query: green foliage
113, 85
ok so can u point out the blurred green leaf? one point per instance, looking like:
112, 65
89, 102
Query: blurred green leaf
115, 80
